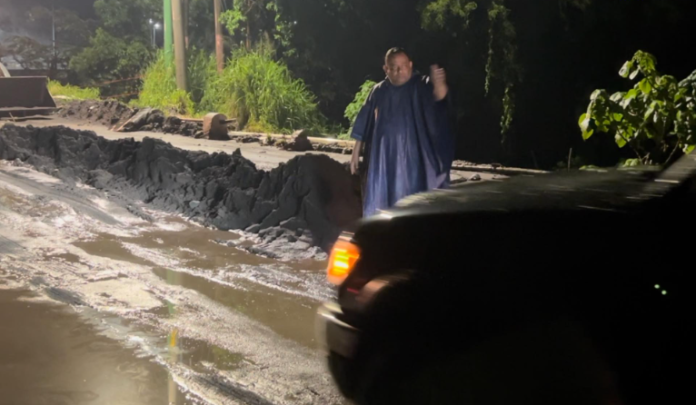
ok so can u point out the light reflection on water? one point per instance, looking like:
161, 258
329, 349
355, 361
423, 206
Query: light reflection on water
49, 355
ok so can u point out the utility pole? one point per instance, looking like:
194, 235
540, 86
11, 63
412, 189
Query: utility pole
185, 19
168, 35
53, 26
53, 68
219, 49
179, 45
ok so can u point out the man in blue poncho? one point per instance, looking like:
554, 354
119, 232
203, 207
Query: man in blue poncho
404, 131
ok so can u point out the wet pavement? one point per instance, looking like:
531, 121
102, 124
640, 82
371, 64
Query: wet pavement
176, 301
49, 355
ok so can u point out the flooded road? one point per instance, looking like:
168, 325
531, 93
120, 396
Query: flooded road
218, 323
49, 355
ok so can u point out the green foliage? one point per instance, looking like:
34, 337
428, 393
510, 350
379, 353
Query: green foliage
201, 67
261, 92
258, 21
655, 118
360, 97
72, 92
109, 57
128, 18
160, 91
352, 110
438, 13
233, 18
501, 63
503, 70
283, 32
71, 33
120, 47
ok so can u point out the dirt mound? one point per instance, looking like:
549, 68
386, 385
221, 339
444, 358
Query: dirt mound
106, 112
119, 116
303, 203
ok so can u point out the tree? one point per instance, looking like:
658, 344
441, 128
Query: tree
109, 58
258, 21
120, 48
502, 64
656, 118
128, 18
34, 48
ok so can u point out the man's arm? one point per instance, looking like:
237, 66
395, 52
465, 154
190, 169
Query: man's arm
439, 80
355, 157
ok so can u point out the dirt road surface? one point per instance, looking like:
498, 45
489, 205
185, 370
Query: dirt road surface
227, 326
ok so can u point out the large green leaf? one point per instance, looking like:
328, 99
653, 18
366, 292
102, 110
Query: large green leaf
584, 122
620, 141
689, 148
645, 86
626, 69
649, 112
631, 94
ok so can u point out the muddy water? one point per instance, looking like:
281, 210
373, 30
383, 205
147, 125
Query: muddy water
48, 355
283, 297
179, 297
288, 316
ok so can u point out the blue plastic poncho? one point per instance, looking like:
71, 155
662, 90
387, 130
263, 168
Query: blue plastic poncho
409, 147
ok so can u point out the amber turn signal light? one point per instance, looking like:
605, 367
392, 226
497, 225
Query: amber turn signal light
343, 257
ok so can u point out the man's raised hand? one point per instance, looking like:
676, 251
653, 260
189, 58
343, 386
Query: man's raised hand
439, 79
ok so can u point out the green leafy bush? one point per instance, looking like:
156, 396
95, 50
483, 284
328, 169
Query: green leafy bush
260, 92
160, 91
655, 119
201, 68
73, 92
360, 97
109, 58
354, 107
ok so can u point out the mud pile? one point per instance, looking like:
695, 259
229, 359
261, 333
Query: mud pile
107, 112
118, 116
299, 205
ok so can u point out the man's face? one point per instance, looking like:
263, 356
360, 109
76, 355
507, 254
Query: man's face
399, 69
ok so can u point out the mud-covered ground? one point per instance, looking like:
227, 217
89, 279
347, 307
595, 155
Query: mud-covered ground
148, 253
225, 325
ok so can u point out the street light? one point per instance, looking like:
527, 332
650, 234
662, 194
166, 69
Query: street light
155, 27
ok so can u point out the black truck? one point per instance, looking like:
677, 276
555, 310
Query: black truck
560, 288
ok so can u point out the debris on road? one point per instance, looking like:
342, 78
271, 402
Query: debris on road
310, 192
